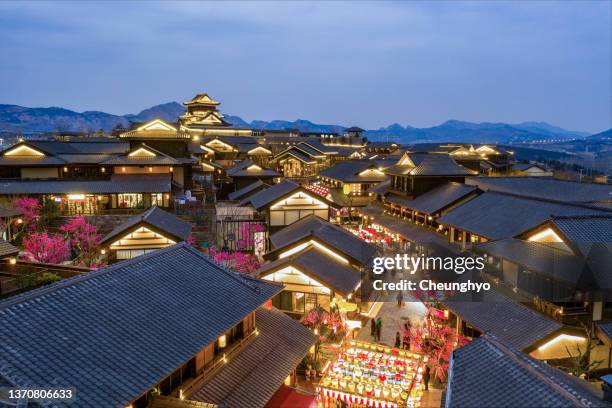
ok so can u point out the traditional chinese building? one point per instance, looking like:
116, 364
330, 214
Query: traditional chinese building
286, 202
320, 264
200, 343
512, 378
247, 172
144, 233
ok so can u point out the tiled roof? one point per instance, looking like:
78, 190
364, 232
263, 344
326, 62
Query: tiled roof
309, 150
116, 332
166, 223
335, 237
240, 170
380, 188
606, 328
247, 190
296, 153
348, 171
6, 249
132, 183
549, 259
233, 140
160, 158
430, 164
584, 231
97, 146
251, 378
316, 144
525, 166
511, 322
85, 158
435, 200
6, 212
319, 266
488, 373
546, 188
267, 196
31, 161
496, 215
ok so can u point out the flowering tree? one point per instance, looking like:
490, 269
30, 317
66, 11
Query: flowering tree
437, 340
235, 261
247, 233
42, 247
84, 240
329, 325
30, 208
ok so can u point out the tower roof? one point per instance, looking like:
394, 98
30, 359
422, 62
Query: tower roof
201, 99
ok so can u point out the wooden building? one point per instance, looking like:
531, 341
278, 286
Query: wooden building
286, 202
144, 233
416, 173
247, 172
169, 329
319, 263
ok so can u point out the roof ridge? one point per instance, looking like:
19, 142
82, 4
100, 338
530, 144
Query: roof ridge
235, 275
585, 216
567, 391
64, 283
550, 200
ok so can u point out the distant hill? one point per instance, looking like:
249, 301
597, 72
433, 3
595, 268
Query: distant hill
15, 118
459, 131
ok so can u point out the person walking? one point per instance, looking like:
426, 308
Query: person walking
406, 336
400, 298
397, 340
378, 328
373, 328
426, 378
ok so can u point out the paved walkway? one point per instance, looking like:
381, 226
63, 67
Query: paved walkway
393, 319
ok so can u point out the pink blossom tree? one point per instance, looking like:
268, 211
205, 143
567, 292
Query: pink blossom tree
30, 208
436, 339
236, 261
42, 247
84, 240
247, 233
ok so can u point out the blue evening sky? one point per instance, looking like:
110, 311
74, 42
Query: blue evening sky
351, 63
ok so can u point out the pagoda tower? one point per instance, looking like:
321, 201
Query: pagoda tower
202, 111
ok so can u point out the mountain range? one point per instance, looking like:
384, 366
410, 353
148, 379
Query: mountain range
19, 119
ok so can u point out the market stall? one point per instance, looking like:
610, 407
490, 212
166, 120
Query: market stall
372, 375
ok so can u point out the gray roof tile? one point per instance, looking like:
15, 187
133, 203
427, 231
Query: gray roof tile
267, 196
6, 249
116, 332
348, 171
251, 378
546, 188
496, 215
321, 267
336, 237
435, 200
430, 164
132, 183
488, 373
248, 190
510, 321
157, 218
